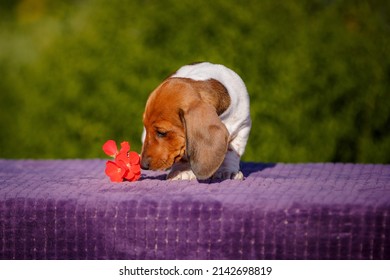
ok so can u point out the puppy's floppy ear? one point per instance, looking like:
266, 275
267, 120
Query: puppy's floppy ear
206, 139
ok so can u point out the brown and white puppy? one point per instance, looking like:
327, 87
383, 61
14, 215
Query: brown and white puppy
197, 124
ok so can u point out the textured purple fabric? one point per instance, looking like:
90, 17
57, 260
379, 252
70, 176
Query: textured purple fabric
68, 209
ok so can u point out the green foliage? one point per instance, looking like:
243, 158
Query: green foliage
76, 73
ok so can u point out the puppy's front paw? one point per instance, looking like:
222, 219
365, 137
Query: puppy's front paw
224, 175
181, 175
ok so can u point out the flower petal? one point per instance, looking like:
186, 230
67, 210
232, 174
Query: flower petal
136, 176
136, 169
125, 147
133, 173
110, 148
134, 158
122, 160
114, 171
129, 175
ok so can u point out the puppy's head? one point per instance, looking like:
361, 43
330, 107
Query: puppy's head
179, 123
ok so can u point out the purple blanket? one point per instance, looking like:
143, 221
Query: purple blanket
68, 209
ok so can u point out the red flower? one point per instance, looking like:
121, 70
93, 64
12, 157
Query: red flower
126, 165
114, 171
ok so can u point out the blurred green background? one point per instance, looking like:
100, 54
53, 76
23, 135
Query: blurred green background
74, 74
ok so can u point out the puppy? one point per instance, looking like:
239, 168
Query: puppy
197, 123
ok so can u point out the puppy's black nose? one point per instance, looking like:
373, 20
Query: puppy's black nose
144, 164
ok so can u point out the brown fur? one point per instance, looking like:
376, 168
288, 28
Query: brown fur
181, 122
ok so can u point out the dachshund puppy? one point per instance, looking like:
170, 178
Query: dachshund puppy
197, 123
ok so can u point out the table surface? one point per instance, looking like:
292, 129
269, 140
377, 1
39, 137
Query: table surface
284, 183
280, 211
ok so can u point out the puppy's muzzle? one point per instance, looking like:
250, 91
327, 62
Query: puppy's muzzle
145, 163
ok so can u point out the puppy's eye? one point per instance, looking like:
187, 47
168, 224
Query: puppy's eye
161, 134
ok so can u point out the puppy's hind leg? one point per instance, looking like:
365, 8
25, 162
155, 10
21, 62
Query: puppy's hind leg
230, 168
